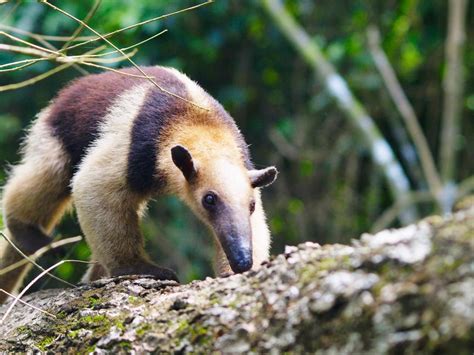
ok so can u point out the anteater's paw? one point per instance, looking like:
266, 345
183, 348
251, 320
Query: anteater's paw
144, 268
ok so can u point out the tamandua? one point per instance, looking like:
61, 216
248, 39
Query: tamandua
109, 143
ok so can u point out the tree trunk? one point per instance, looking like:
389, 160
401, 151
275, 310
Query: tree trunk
405, 290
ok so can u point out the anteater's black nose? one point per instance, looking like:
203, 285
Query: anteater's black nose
242, 261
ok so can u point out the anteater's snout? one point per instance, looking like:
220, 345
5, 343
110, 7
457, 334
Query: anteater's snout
242, 262
238, 250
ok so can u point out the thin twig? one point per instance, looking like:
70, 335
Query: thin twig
107, 35
118, 71
38, 36
19, 62
149, 78
30, 63
27, 287
46, 74
35, 79
89, 59
29, 44
79, 29
23, 50
32, 261
39, 253
28, 304
406, 111
43, 42
132, 46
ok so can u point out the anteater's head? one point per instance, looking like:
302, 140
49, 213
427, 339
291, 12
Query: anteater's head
221, 191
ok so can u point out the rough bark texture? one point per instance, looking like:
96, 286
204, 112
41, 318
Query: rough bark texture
406, 290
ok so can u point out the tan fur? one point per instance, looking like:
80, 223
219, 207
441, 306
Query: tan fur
214, 148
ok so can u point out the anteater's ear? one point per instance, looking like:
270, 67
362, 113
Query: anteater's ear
263, 177
184, 161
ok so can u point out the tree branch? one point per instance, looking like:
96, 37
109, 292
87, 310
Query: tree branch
453, 85
406, 111
381, 152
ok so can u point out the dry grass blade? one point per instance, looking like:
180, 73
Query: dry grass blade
43, 41
35, 79
30, 63
39, 37
79, 29
27, 304
32, 261
19, 62
132, 46
88, 59
149, 78
107, 35
47, 74
27, 287
40, 252
29, 44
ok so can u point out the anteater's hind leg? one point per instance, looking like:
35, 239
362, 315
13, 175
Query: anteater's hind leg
34, 199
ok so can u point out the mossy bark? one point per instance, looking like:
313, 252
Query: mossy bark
408, 290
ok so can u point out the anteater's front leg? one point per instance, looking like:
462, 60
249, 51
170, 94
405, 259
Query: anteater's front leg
109, 215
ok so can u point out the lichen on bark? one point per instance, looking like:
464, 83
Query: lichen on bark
409, 290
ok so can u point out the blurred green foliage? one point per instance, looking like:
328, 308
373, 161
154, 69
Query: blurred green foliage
328, 190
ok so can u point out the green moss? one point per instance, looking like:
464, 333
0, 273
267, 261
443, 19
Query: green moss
90, 349
199, 334
125, 345
195, 332
99, 324
44, 343
73, 334
136, 301
119, 324
24, 330
98, 318
143, 329
94, 302
61, 315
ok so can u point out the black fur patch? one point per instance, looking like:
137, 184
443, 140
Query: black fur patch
27, 237
79, 109
158, 111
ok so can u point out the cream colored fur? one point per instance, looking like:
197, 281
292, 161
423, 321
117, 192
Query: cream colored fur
109, 213
36, 193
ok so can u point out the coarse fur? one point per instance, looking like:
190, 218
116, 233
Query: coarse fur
109, 143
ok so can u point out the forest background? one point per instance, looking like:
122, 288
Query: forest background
323, 90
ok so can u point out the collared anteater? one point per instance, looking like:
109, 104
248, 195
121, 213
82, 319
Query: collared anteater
108, 143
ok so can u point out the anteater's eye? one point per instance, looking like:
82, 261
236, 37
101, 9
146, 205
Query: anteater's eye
209, 200
252, 207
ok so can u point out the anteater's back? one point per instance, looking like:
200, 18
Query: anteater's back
80, 108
